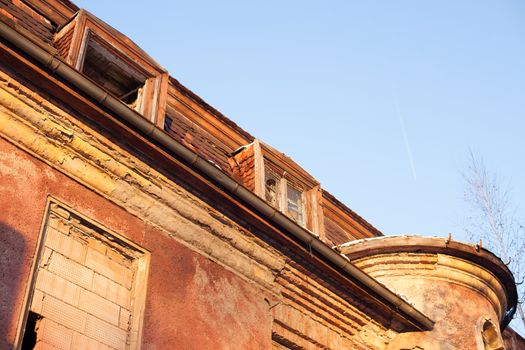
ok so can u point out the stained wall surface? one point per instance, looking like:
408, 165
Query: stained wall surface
99, 225
211, 283
461, 297
187, 291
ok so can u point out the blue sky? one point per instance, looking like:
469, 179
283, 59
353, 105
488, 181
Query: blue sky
379, 100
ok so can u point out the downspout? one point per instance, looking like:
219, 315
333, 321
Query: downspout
91, 89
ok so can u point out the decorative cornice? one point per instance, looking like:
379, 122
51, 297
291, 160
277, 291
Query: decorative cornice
460, 263
392, 267
30, 122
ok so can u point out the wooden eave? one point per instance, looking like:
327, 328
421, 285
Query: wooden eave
347, 222
208, 119
57, 11
294, 171
336, 206
31, 36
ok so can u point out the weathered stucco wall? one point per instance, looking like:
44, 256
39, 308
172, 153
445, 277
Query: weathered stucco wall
212, 283
192, 299
219, 274
457, 294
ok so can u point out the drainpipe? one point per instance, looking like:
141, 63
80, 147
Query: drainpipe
369, 285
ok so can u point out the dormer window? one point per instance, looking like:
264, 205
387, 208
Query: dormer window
114, 62
281, 182
287, 193
282, 195
101, 63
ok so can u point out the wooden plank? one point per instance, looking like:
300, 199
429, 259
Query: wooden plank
57, 11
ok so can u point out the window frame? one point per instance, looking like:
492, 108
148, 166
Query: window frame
488, 335
281, 199
153, 101
288, 173
139, 287
302, 205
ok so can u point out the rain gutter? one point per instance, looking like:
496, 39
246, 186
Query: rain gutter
58, 67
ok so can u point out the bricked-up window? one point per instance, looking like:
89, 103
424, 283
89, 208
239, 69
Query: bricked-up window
90, 287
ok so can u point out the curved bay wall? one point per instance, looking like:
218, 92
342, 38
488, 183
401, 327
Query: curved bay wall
459, 292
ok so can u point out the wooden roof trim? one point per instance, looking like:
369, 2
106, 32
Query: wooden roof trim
337, 207
208, 117
202, 119
122, 41
288, 165
10, 21
346, 222
57, 11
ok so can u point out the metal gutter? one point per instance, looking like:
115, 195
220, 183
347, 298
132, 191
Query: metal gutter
94, 91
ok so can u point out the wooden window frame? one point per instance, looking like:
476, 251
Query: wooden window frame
153, 101
287, 172
285, 184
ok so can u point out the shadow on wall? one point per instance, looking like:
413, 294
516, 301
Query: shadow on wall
12, 253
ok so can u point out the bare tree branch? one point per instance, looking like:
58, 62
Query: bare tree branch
492, 220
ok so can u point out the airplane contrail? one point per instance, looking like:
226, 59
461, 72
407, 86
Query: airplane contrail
407, 144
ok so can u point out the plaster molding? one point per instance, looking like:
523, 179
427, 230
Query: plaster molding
459, 263
391, 267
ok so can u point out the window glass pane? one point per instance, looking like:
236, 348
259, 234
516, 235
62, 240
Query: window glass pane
295, 204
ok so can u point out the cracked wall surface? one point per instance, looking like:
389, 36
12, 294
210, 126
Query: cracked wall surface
208, 273
456, 293
222, 275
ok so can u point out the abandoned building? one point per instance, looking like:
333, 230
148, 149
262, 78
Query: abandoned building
136, 216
